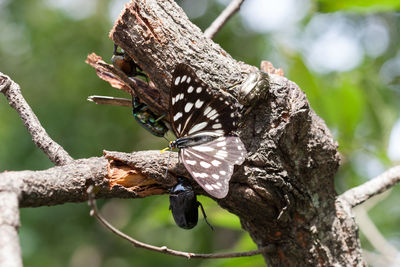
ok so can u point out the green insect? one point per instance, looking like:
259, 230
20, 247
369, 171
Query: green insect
146, 118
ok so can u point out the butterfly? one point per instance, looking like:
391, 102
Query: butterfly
203, 124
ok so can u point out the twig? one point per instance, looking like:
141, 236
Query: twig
375, 237
94, 212
361, 193
54, 151
109, 100
228, 12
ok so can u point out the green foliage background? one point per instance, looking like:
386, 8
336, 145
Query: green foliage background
43, 49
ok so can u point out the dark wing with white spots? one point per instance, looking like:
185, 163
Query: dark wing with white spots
194, 109
211, 164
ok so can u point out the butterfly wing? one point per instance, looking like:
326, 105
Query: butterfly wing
211, 164
194, 109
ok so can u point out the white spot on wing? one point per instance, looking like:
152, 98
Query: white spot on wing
215, 186
214, 117
190, 89
188, 79
179, 128
216, 126
202, 148
216, 163
199, 89
200, 174
221, 154
198, 103
209, 187
197, 127
191, 162
219, 132
207, 110
212, 113
188, 107
177, 80
215, 176
222, 172
177, 116
223, 143
183, 78
205, 164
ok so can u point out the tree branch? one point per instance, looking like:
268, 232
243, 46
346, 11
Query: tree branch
137, 174
225, 15
10, 251
361, 193
283, 193
94, 212
42, 140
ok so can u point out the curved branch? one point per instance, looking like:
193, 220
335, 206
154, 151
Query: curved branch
94, 212
379, 184
42, 140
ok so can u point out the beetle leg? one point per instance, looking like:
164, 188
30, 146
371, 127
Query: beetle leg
204, 215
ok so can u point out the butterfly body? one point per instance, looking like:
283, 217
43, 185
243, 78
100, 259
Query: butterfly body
190, 141
204, 124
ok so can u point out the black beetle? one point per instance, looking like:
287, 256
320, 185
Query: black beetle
184, 205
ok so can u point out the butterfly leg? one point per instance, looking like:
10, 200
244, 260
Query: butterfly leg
204, 215
166, 171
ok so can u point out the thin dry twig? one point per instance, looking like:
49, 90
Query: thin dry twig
228, 12
110, 100
379, 184
54, 151
375, 237
94, 212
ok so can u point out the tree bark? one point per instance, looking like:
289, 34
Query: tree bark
283, 193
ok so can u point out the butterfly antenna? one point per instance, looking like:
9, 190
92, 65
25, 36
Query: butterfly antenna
166, 138
204, 215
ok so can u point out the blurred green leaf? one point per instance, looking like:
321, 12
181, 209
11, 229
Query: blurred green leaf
362, 6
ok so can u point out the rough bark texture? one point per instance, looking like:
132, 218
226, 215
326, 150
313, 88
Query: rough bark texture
68, 183
283, 193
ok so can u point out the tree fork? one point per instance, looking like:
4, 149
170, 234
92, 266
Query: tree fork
283, 193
